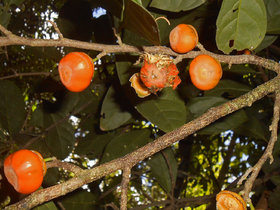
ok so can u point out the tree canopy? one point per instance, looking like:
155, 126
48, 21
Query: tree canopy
108, 148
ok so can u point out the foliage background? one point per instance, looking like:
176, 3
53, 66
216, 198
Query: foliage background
108, 120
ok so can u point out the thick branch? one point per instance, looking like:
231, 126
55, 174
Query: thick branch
123, 48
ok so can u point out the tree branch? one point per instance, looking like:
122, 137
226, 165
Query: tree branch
90, 175
124, 187
254, 171
86, 176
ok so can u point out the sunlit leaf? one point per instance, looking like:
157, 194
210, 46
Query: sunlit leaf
241, 25
12, 112
176, 5
166, 111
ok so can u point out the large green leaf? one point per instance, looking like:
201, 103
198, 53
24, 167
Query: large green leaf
230, 122
134, 18
93, 144
81, 199
12, 112
126, 143
113, 115
233, 88
199, 105
241, 25
273, 16
176, 5
59, 133
267, 41
164, 168
166, 111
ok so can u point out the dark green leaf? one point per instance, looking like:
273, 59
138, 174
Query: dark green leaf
273, 16
93, 144
15, 2
241, 25
230, 122
145, 26
46, 206
126, 143
80, 199
164, 168
199, 105
59, 133
166, 111
5, 17
267, 41
177, 5
12, 112
234, 89
113, 115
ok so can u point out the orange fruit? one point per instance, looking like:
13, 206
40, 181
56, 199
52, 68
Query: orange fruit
227, 200
76, 70
183, 38
205, 72
159, 72
141, 90
25, 170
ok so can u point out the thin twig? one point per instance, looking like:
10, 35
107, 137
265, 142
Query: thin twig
254, 171
28, 74
56, 29
5, 31
64, 165
124, 187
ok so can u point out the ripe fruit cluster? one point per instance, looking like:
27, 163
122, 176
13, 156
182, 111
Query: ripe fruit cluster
76, 70
25, 170
159, 71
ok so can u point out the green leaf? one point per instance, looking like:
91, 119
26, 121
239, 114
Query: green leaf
164, 168
267, 41
59, 133
200, 105
166, 111
15, 2
241, 25
230, 122
176, 5
126, 143
93, 144
113, 115
12, 112
273, 16
254, 128
145, 26
233, 88
80, 199
46, 206
5, 17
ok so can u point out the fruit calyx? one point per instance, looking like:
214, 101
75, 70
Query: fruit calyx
158, 72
